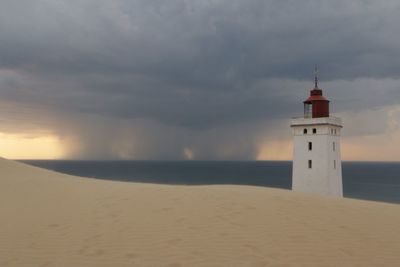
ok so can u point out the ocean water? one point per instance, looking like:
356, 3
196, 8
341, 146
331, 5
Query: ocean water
378, 181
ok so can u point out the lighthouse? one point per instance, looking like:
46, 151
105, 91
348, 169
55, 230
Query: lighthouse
317, 166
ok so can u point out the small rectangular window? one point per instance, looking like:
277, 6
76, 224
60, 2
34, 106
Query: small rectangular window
334, 146
314, 131
309, 146
334, 164
310, 164
307, 110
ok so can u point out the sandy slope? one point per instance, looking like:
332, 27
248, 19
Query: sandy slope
50, 219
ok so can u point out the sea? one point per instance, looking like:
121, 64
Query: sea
377, 181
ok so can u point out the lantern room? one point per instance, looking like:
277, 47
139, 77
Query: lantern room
316, 105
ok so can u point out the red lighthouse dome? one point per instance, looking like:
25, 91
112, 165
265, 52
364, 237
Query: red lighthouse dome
316, 105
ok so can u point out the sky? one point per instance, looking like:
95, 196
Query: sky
194, 79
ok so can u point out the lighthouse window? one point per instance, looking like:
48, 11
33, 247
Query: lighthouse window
334, 164
307, 110
314, 131
309, 163
309, 146
305, 131
334, 146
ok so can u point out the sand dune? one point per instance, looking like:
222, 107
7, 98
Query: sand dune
51, 219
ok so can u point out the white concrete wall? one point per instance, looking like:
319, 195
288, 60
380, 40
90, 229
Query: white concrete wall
323, 177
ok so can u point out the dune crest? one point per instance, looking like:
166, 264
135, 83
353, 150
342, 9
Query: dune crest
52, 219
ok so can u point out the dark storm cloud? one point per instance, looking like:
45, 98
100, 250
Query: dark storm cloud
193, 66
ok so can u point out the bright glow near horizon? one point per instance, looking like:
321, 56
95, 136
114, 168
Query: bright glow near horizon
17, 146
13, 146
275, 151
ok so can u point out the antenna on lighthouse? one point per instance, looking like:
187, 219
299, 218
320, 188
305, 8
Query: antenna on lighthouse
316, 76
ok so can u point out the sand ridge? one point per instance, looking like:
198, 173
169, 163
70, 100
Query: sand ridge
52, 219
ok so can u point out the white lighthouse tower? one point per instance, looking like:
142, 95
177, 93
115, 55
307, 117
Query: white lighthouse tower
317, 166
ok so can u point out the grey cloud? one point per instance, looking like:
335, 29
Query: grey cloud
199, 70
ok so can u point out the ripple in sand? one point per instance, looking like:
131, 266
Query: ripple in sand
130, 255
174, 242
